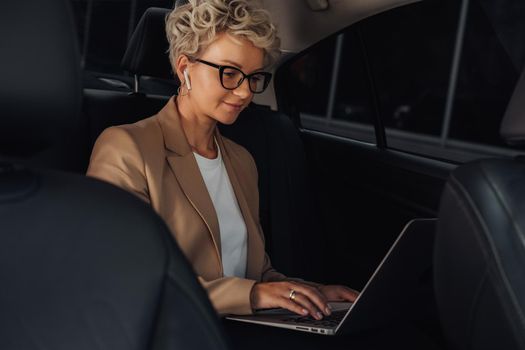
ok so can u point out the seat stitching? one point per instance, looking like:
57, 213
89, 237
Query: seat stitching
505, 205
491, 244
509, 213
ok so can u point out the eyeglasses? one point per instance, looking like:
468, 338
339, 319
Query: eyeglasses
231, 77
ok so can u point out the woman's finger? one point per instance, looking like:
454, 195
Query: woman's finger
307, 304
315, 297
349, 294
344, 293
286, 303
339, 293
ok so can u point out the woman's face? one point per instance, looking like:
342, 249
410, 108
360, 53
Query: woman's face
207, 95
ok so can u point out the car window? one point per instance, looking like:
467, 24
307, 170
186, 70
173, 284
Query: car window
409, 50
439, 74
328, 84
492, 59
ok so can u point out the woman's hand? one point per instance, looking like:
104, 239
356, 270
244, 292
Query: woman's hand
294, 296
338, 293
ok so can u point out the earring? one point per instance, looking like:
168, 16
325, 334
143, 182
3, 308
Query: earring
187, 78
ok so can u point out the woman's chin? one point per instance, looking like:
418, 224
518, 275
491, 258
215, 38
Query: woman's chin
227, 118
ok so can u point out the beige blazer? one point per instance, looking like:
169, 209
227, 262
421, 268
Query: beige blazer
152, 159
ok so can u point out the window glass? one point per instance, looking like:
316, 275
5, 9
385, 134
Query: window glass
328, 86
353, 106
410, 53
310, 77
493, 55
412, 68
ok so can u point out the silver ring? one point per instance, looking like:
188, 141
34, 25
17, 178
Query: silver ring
292, 295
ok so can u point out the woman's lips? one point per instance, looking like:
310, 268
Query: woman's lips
233, 106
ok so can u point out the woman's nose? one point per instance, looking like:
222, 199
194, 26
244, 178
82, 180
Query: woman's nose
243, 90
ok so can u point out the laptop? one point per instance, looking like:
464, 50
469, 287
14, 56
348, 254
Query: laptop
400, 284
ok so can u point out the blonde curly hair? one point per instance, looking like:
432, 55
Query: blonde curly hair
190, 28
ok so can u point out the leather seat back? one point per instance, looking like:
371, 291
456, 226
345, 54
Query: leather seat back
29, 72
480, 256
83, 264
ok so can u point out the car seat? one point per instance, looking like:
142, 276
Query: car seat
83, 264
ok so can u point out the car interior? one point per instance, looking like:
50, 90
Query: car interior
330, 205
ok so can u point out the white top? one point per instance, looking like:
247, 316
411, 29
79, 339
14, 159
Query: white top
232, 228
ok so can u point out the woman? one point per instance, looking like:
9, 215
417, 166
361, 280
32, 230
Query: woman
203, 185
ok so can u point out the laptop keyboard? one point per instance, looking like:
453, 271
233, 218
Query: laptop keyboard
328, 321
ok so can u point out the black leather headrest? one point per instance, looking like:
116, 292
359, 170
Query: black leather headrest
147, 51
479, 256
40, 86
513, 124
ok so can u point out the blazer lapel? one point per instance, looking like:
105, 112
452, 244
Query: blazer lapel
186, 170
255, 243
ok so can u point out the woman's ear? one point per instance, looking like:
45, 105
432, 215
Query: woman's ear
181, 66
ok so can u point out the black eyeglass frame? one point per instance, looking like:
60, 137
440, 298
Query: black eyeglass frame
267, 76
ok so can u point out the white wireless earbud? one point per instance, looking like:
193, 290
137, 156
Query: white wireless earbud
187, 79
